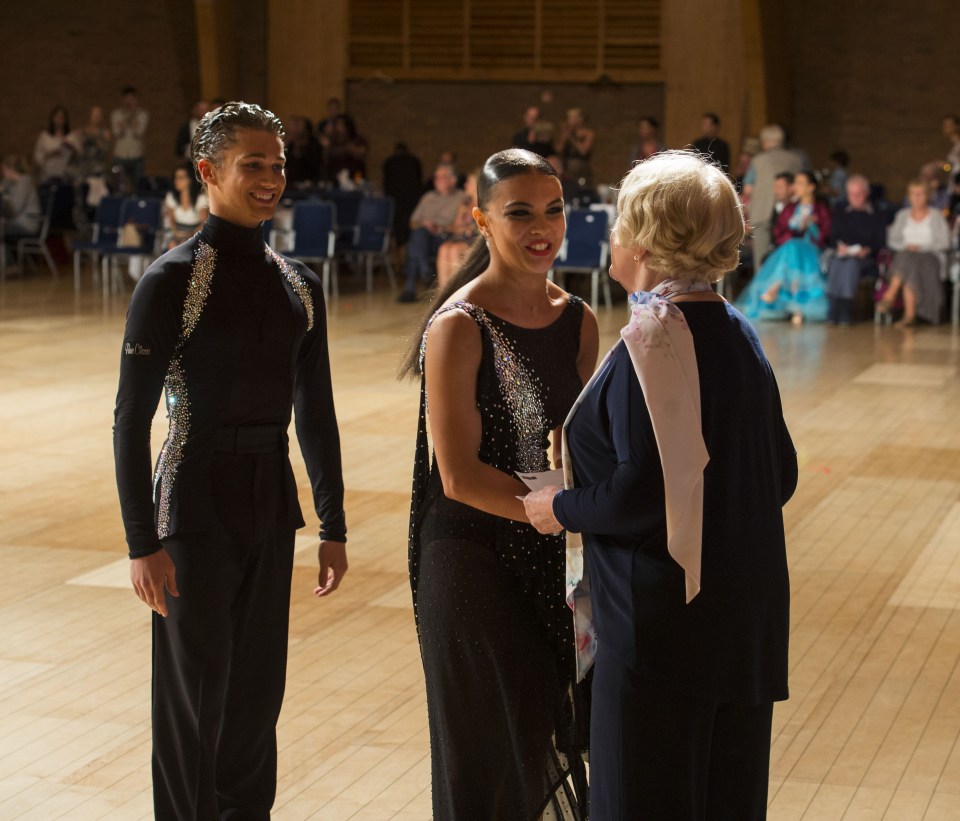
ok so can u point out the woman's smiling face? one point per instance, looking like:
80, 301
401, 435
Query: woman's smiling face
524, 222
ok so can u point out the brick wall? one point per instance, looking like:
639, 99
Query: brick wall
82, 53
477, 119
874, 79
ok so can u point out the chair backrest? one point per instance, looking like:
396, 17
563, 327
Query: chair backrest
106, 221
374, 224
348, 207
312, 225
147, 215
585, 245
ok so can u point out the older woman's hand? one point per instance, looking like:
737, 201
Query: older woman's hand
539, 507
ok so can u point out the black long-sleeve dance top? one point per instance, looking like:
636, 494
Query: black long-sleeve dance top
235, 335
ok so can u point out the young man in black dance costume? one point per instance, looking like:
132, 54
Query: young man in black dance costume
235, 335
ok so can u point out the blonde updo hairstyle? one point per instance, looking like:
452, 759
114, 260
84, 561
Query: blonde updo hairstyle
685, 213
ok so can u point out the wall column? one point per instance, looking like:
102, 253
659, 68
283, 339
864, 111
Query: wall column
306, 55
216, 52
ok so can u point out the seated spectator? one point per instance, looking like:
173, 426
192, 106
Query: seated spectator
572, 190
648, 140
919, 235
304, 155
789, 282
934, 177
462, 232
185, 208
711, 144
56, 148
346, 153
436, 210
858, 232
782, 195
21, 202
402, 181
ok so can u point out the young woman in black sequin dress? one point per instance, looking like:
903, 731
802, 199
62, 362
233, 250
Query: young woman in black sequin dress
503, 355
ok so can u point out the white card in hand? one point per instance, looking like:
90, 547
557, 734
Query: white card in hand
536, 481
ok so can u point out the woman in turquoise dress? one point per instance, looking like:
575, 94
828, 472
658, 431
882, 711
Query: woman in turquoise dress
790, 282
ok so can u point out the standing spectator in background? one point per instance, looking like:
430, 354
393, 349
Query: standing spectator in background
185, 133
919, 235
94, 140
576, 146
648, 140
711, 144
526, 136
758, 185
56, 148
436, 210
304, 154
858, 232
837, 180
402, 180
129, 126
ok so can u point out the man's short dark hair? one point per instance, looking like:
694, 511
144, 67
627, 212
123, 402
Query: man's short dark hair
712, 117
128, 90
785, 175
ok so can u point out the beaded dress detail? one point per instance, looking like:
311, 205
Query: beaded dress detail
495, 633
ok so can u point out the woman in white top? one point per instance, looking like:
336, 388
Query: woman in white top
185, 208
56, 147
919, 235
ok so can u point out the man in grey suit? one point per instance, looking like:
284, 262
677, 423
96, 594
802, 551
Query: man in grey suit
773, 159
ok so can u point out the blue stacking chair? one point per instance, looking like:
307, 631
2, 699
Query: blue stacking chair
347, 204
585, 250
370, 240
314, 238
147, 215
106, 227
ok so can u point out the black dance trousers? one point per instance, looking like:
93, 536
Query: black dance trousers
664, 756
219, 666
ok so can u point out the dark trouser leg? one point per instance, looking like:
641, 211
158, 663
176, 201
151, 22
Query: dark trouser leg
833, 309
247, 748
219, 667
420, 247
191, 650
656, 753
739, 762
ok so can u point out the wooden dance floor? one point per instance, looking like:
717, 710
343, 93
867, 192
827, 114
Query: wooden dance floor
872, 730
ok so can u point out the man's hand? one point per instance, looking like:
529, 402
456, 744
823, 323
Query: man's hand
152, 577
539, 507
333, 565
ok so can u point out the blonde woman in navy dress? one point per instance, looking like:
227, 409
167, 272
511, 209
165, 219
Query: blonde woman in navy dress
682, 462
504, 353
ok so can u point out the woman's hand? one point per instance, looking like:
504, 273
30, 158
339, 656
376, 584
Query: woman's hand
539, 507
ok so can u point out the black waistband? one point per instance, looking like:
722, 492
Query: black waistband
250, 439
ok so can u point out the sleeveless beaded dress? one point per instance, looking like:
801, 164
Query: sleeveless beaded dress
496, 635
